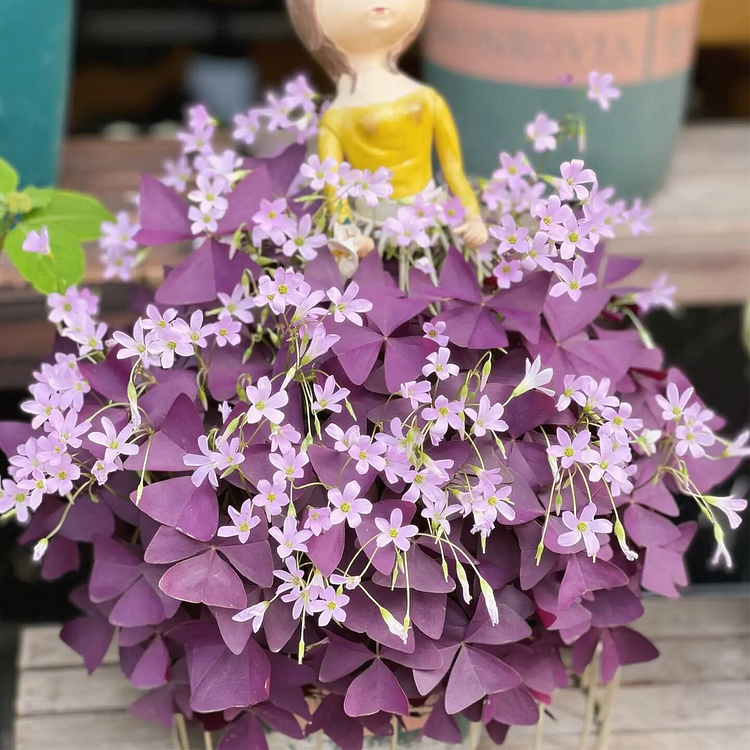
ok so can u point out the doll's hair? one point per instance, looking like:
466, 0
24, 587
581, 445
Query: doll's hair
333, 61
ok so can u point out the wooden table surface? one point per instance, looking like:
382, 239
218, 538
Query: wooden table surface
695, 697
701, 233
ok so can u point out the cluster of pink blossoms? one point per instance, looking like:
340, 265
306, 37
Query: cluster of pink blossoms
417, 465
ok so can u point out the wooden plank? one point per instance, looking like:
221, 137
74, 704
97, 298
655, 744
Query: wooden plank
681, 707
90, 731
695, 616
71, 690
119, 731
737, 738
694, 660
40, 647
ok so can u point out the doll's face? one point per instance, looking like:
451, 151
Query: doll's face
362, 26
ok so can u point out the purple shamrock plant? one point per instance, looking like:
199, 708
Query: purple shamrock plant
325, 503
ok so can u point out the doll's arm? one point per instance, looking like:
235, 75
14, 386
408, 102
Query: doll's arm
448, 147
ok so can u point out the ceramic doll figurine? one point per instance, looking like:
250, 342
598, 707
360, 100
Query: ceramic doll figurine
381, 117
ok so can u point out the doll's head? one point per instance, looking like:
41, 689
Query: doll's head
333, 30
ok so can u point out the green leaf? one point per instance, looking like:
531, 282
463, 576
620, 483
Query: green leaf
52, 273
8, 177
79, 215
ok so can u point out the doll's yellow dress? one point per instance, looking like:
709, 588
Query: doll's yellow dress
399, 135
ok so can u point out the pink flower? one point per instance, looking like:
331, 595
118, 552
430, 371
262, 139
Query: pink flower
567, 450
66, 429
444, 414
281, 290
660, 295
331, 606
37, 242
507, 272
208, 194
542, 131
328, 397
494, 501
731, 506
596, 394
114, 442
293, 581
418, 392
535, 378
439, 512
227, 331
619, 422
236, 305
206, 463
242, 522
367, 453
246, 127
272, 222
348, 506
135, 345
636, 217
540, 253
372, 188
44, 403
290, 464
319, 344
438, 363
584, 527
177, 173
426, 483
601, 89
256, 613
393, 532
303, 240
290, 539
63, 475
572, 392
203, 222
283, 437
673, 406
487, 417
318, 520
345, 306
574, 178
168, 343
263, 405
195, 331
512, 169
435, 332
572, 281
693, 438
272, 495
343, 440
319, 173
511, 236
608, 461
407, 228
228, 455
573, 237
14, 497
452, 213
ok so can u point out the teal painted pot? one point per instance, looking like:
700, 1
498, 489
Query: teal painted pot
35, 48
500, 62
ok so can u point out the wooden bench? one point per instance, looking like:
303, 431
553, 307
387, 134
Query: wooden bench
695, 697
